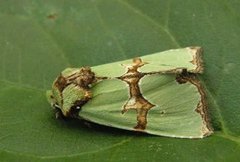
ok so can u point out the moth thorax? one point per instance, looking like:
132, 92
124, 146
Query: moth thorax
85, 77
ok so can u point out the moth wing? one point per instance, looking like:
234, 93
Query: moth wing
71, 94
173, 115
180, 109
185, 58
105, 107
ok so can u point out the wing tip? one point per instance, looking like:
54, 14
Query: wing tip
197, 52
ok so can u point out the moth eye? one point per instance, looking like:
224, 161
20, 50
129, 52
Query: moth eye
78, 107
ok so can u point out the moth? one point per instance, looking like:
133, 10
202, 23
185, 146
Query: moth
158, 94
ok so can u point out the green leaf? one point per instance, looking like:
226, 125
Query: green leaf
38, 39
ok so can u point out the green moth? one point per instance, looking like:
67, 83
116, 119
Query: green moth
158, 94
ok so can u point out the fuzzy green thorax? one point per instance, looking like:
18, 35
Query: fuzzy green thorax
71, 90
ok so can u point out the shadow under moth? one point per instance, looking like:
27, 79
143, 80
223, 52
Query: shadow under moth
158, 94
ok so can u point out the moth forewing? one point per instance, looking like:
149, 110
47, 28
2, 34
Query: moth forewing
157, 94
184, 58
173, 115
177, 113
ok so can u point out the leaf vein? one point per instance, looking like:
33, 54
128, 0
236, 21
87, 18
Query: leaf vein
152, 21
108, 30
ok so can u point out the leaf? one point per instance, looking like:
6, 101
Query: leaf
39, 39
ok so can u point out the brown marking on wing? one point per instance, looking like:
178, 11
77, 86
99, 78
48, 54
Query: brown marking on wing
197, 59
202, 105
136, 101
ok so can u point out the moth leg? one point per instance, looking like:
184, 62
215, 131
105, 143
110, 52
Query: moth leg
54, 105
58, 112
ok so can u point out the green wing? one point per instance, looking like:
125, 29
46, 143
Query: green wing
179, 112
188, 58
174, 114
71, 94
105, 107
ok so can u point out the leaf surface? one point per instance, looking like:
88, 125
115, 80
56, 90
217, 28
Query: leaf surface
38, 39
